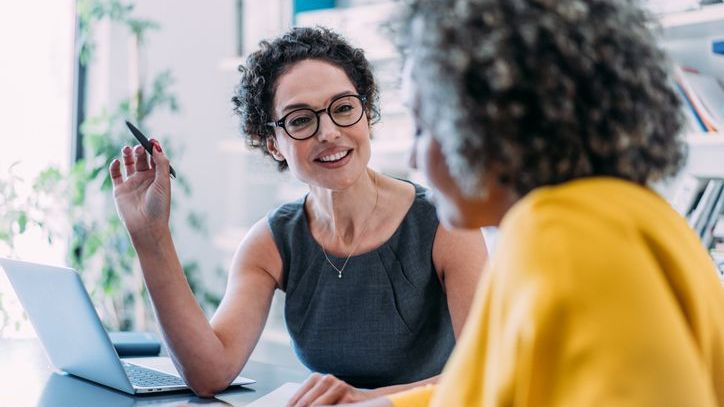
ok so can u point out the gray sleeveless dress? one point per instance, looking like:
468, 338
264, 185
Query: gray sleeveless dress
386, 321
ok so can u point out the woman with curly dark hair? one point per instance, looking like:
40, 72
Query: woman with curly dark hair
376, 290
552, 119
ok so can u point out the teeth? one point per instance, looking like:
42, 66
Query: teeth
334, 157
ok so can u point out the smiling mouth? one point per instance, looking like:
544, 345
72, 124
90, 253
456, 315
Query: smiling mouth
333, 157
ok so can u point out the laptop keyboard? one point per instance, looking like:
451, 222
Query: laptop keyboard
144, 377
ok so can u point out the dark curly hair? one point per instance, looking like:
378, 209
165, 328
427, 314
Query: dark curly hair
543, 91
255, 93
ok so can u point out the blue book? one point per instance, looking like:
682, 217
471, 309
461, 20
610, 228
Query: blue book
717, 47
691, 113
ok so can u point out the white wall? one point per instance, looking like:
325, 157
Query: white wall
193, 39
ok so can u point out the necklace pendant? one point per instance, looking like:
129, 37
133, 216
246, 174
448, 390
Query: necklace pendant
339, 274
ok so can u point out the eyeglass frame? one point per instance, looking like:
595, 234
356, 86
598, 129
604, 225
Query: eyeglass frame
280, 123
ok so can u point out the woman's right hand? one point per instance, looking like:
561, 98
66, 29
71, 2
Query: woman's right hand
325, 389
143, 198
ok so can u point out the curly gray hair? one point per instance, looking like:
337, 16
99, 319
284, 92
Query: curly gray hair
543, 91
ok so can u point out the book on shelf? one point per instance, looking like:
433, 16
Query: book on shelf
702, 211
687, 193
710, 94
701, 202
703, 97
718, 231
717, 47
693, 124
717, 246
707, 233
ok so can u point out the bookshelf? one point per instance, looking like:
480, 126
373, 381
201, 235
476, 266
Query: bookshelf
688, 37
706, 155
694, 24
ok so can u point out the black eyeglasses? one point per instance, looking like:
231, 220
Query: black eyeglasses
301, 124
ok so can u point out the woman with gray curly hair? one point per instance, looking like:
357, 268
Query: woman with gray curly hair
551, 119
376, 291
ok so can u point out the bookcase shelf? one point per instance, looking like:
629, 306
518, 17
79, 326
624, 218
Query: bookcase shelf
706, 155
705, 139
694, 24
687, 37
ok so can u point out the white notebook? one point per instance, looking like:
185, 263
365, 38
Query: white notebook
276, 398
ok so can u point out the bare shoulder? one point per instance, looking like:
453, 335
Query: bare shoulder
258, 253
453, 248
398, 195
395, 199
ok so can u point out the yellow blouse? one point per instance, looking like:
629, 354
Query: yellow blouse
599, 295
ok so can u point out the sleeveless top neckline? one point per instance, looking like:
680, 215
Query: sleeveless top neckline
386, 321
372, 251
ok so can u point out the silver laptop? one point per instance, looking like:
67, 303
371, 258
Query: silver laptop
72, 334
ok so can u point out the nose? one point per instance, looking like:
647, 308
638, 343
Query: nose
412, 157
327, 131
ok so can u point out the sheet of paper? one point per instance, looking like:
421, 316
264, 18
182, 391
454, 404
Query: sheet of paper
276, 398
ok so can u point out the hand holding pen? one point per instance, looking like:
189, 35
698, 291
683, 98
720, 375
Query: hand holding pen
143, 195
145, 143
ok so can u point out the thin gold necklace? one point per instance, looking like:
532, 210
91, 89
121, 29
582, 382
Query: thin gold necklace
359, 238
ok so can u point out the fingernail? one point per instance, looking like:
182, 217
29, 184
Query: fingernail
157, 145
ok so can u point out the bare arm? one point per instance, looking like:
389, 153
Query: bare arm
208, 355
459, 257
256, 271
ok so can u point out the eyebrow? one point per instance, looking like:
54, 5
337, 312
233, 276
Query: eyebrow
304, 105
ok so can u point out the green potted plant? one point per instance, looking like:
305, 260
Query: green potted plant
99, 247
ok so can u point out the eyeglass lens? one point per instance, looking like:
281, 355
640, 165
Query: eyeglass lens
344, 111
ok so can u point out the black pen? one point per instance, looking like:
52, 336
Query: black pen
145, 143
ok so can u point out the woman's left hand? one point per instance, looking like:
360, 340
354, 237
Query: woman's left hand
326, 389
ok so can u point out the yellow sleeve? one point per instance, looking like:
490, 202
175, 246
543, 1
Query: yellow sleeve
589, 301
419, 396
